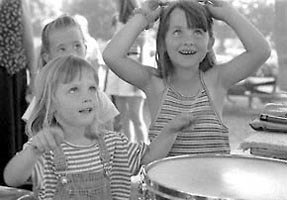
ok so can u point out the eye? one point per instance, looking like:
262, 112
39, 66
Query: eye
176, 32
61, 49
93, 88
73, 90
198, 32
78, 46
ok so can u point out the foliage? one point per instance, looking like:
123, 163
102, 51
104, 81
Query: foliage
98, 12
41, 10
259, 12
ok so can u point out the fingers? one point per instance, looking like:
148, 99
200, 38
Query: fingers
153, 4
48, 139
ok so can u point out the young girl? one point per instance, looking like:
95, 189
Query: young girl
64, 36
81, 161
187, 78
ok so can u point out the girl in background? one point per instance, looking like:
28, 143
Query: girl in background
187, 79
128, 99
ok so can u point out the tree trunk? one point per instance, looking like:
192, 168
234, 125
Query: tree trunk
280, 37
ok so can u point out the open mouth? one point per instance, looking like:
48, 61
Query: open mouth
86, 110
187, 52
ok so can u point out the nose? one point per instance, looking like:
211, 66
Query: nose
86, 97
189, 38
87, 100
72, 51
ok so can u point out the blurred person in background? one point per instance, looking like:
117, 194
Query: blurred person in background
17, 57
93, 53
128, 99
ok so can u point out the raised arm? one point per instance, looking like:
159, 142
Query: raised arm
257, 49
115, 53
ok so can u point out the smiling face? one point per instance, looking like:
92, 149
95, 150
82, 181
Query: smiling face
76, 101
186, 46
66, 41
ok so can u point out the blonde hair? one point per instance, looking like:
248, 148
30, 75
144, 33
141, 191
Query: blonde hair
64, 21
63, 69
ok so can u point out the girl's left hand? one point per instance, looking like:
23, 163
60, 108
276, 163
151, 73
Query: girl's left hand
182, 122
219, 9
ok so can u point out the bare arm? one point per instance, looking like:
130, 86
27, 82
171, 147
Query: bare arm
257, 49
115, 54
160, 147
20, 167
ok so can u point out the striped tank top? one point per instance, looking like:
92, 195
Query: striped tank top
208, 134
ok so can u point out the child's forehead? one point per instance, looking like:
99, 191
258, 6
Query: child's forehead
177, 14
180, 17
66, 33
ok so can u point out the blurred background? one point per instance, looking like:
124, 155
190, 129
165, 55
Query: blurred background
246, 99
268, 15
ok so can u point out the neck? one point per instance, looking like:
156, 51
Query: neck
187, 84
185, 76
76, 135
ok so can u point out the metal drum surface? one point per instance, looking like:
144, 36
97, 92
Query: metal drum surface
9, 193
216, 177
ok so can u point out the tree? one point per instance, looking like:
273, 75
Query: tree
260, 13
42, 10
98, 13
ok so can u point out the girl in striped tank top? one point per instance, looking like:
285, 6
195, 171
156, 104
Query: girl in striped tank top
187, 78
80, 160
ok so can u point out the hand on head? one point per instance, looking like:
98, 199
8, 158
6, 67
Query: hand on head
218, 8
152, 9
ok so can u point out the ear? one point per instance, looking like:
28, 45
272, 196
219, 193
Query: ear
210, 43
86, 47
45, 57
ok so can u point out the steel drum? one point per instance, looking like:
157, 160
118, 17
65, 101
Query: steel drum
9, 193
216, 177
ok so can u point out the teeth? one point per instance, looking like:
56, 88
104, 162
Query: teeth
187, 52
86, 110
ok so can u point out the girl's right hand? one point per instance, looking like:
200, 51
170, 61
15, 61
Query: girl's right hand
219, 9
47, 139
182, 122
152, 9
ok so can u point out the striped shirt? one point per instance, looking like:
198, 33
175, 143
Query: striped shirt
125, 160
207, 135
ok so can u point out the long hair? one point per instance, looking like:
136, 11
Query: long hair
63, 69
64, 21
197, 16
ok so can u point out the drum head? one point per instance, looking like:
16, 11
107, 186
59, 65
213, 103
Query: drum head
219, 177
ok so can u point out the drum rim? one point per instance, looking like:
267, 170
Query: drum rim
151, 184
151, 164
15, 192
